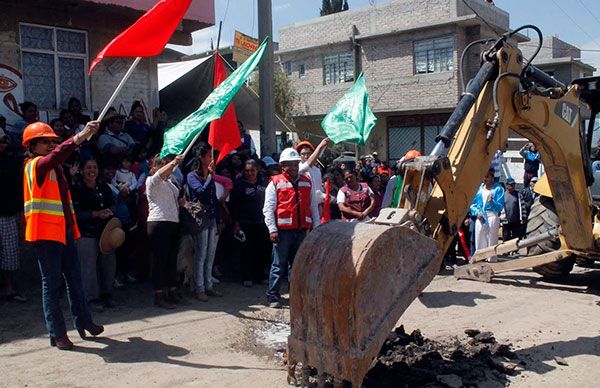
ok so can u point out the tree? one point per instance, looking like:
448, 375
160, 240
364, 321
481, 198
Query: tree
285, 95
326, 7
333, 6
337, 6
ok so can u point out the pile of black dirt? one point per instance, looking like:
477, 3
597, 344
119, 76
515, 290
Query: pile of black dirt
410, 360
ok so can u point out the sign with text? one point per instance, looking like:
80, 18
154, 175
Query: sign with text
243, 47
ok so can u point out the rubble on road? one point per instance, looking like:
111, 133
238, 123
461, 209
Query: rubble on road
410, 360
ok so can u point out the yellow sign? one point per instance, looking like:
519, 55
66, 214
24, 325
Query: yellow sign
243, 47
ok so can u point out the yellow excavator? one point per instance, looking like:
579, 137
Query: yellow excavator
351, 282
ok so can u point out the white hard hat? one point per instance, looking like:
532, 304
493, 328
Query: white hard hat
289, 155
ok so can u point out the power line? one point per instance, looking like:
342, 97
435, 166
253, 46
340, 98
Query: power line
589, 11
574, 22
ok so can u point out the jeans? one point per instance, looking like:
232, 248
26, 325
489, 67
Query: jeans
97, 269
205, 246
56, 259
282, 258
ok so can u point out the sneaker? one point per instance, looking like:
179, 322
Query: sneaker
96, 306
248, 283
201, 296
117, 284
131, 279
213, 293
160, 301
176, 298
275, 304
215, 280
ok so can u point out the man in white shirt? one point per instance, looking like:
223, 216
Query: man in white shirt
290, 211
308, 160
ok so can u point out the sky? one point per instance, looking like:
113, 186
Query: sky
574, 21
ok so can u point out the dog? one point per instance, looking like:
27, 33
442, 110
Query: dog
185, 260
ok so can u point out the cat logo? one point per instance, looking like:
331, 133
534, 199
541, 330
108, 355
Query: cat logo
568, 112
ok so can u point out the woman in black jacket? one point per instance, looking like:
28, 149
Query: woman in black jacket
247, 200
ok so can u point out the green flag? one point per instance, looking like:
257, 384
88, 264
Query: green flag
177, 138
350, 119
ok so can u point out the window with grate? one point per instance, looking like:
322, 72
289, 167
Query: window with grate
301, 70
338, 68
54, 65
287, 66
434, 55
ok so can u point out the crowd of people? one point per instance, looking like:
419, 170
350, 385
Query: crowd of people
98, 196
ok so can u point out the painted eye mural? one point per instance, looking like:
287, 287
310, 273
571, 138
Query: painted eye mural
6, 84
11, 92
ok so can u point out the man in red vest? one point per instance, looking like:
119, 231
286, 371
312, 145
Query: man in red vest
290, 211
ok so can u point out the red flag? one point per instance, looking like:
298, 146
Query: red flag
149, 35
224, 133
326, 216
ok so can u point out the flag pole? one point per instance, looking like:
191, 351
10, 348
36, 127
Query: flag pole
216, 53
189, 147
118, 89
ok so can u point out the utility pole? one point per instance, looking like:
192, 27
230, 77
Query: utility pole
267, 98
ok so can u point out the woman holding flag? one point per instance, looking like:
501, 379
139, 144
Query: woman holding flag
52, 229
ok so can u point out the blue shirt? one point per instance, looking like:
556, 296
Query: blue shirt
205, 192
482, 205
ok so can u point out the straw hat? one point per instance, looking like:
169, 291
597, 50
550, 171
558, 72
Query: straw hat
112, 236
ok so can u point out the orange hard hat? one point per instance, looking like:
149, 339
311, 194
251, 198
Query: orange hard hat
37, 130
303, 144
411, 154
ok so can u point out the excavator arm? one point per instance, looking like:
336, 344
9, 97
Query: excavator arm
351, 282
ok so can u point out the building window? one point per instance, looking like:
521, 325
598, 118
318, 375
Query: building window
287, 67
54, 67
434, 55
301, 70
415, 132
338, 68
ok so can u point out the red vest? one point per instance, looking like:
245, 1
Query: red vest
356, 200
293, 203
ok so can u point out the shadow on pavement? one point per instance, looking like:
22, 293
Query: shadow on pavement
540, 358
137, 349
440, 299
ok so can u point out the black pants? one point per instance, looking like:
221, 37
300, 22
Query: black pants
255, 252
511, 230
163, 236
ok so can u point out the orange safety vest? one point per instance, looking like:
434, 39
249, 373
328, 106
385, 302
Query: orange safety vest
293, 203
44, 215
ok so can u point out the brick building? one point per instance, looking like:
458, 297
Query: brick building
409, 52
46, 48
558, 58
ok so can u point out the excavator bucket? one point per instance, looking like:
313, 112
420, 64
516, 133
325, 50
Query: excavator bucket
350, 284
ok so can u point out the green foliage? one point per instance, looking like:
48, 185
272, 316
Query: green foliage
337, 5
333, 6
326, 7
283, 91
